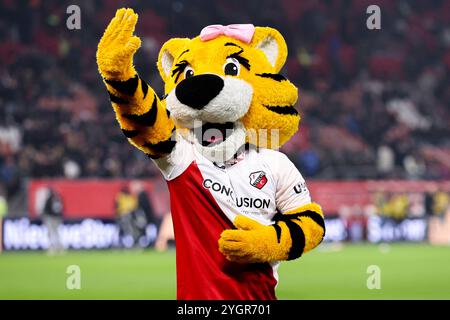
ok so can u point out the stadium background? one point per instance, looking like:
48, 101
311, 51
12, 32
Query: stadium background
373, 145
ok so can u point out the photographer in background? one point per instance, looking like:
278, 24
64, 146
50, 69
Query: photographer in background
126, 204
52, 215
145, 221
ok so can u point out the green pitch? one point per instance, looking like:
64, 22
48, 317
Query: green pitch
408, 271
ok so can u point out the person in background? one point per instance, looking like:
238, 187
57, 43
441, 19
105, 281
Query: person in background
165, 234
429, 194
416, 205
397, 207
52, 216
439, 222
3, 212
379, 201
126, 205
441, 202
145, 220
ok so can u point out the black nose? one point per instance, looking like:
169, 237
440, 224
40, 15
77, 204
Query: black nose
197, 91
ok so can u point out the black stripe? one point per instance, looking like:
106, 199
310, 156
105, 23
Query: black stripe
168, 113
278, 231
232, 44
147, 119
317, 218
126, 87
274, 76
286, 110
144, 88
179, 68
185, 51
162, 147
116, 99
298, 240
243, 61
130, 133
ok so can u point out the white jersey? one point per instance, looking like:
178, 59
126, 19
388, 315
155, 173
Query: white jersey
205, 199
257, 184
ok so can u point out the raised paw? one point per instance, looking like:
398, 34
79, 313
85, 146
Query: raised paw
118, 45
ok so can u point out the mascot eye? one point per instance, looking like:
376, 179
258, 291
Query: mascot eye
189, 72
231, 67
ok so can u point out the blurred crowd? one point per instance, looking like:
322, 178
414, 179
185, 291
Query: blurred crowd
395, 214
401, 205
374, 103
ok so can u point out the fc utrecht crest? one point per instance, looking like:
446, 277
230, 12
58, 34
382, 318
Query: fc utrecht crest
258, 179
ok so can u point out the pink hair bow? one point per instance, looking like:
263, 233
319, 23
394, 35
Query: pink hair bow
242, 32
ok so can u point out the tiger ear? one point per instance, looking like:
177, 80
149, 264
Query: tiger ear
272, 44
168, 53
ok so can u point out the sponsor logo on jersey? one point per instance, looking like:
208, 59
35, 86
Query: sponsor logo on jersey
241, 202
218, 187
300, 188
258, 179
253, 203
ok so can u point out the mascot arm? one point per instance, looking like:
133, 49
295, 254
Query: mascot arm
297, 227
291, 235
141, 115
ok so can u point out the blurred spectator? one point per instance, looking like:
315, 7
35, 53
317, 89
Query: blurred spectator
374, 104
126, 205
441, 202
439, 229
3, 213
52, 216
143, 202
165, 234
385, 160
145, 220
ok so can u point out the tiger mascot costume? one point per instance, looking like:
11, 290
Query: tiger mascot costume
238, 206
